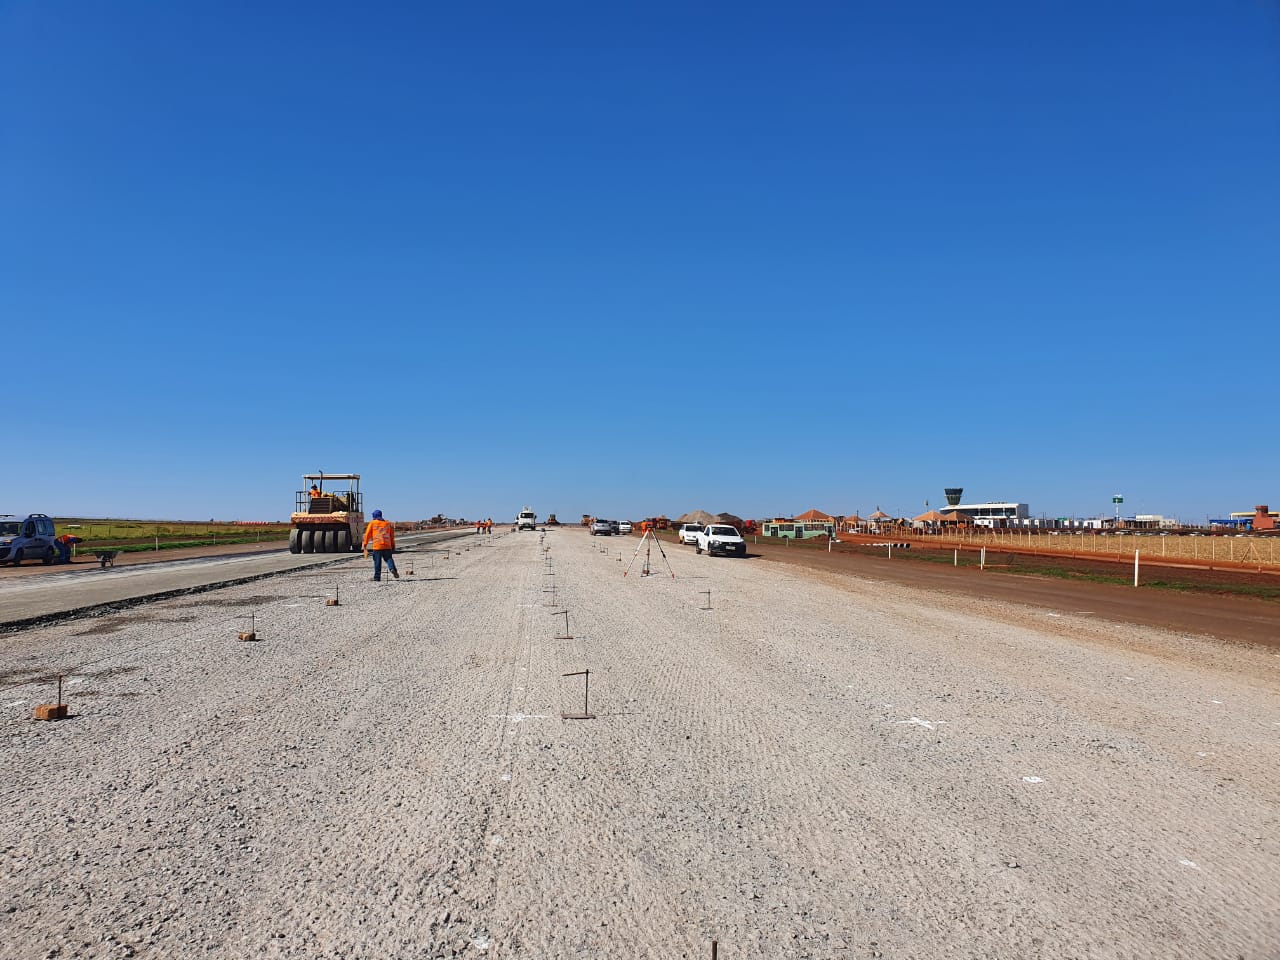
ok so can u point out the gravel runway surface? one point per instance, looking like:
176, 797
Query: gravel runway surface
818, 766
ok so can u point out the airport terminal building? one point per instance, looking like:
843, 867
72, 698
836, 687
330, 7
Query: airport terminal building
995, 514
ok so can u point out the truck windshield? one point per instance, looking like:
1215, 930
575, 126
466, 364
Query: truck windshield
8, 529
723, 532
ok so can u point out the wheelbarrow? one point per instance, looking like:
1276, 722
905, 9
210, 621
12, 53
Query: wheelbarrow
106, 558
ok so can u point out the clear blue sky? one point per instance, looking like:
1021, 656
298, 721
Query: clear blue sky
746, 257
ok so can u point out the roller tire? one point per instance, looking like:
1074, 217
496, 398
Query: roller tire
308, 541
344, 540
331, 541
295, 540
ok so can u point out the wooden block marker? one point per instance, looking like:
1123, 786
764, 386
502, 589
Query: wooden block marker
249, 634
586, 713
52, 711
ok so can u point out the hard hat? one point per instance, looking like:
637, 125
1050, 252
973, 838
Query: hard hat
377, 514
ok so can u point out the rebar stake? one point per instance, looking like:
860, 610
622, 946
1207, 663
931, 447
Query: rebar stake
52, 711
333, 601
566, 635
586, 714
251, 633
708, 606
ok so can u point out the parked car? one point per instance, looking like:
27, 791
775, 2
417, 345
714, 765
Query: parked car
26, 537
720, 538
624, 526
601, 528
615, 527
689, 533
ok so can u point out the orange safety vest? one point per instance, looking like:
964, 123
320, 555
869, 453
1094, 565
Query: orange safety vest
379, 535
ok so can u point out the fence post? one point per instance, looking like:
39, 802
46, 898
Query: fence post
1135, 568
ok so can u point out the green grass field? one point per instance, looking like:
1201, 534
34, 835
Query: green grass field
131, 535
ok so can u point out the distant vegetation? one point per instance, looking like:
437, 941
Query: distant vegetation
133, 535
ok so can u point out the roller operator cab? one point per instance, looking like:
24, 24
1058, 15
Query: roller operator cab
528, 520
328, 514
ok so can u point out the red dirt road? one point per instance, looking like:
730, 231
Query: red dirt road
86, 560
1241, 619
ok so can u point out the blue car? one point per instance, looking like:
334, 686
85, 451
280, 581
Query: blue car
28, 537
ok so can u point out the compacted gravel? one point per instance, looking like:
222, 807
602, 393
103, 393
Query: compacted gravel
816, 766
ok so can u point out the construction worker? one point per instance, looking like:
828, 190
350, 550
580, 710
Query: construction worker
314, 491
380, 537
488, 526
63, 543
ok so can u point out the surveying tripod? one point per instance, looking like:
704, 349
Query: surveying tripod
645, 569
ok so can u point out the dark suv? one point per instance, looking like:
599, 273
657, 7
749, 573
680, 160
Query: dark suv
27, 537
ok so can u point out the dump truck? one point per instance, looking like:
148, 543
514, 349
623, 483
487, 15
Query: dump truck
329, 514
528, 520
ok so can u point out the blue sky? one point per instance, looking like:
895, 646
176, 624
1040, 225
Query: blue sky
746, 257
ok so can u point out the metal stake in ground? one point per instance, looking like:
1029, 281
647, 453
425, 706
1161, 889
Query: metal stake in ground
251, 633
333, 601
586, 713
708, 593
566, 635
647, 542
52, 711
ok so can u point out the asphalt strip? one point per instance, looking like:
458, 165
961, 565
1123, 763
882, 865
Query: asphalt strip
101, 608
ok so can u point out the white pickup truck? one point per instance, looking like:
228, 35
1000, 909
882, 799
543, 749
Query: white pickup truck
720, 538
528, 520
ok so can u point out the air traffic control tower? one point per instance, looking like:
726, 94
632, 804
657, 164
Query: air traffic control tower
953, 495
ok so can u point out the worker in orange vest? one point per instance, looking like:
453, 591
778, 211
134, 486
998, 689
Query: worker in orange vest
488, 525
314, 491
380, 537
64, 544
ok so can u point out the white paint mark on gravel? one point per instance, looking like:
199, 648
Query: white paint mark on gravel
1190, 863
1033, 779
497, 840
481, 942
517, 717
1053, 614
72, 681
1130, 679
505, 776
15, 703
1215, 701
917, 722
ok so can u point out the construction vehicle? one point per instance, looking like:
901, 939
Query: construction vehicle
586, 519
527, 520
328, 520
552, 521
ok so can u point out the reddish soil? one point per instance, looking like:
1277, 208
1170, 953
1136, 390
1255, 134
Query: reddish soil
34, 567
1242, 619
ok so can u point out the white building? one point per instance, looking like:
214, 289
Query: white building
995, 514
